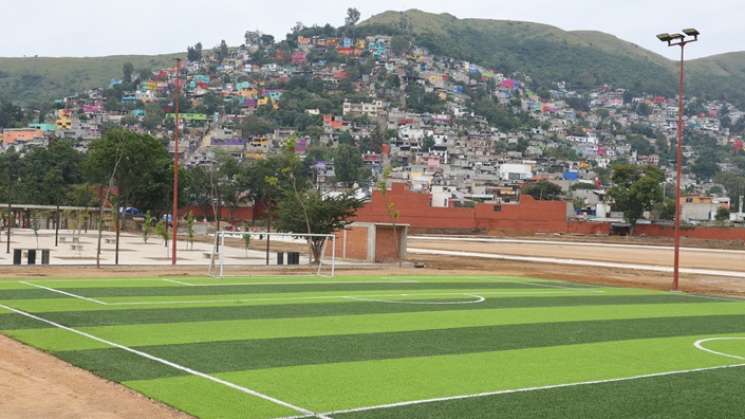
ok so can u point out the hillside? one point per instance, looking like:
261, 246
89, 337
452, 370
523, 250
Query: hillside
585, 59
36, 80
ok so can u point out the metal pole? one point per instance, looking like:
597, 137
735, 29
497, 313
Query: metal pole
678, 168
56, 228
175, 164
10, 223
333, 255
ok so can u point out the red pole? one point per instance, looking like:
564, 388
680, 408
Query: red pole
175, 164
678, 168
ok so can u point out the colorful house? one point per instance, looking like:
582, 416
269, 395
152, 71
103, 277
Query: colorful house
13, 136
64, 119
298, 58
46, 128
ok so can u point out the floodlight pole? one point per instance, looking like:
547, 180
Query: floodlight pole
174, 216
681, 41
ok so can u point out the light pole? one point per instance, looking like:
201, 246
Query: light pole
679, 40
174, 216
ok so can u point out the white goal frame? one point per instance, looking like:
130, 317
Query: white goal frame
218, 251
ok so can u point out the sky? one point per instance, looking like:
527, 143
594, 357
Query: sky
104, 27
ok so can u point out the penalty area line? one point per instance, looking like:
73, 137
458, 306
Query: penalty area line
65, 293
245, 390
520, 390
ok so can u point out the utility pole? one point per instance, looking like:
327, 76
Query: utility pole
176, 163
679, 40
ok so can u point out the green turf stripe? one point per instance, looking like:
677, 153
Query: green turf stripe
708, 394
193, 332
234, 312
165, 291
269, 353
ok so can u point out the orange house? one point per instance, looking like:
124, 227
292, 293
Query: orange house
12, 136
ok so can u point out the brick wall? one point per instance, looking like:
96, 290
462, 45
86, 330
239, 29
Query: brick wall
414, 209
525, 218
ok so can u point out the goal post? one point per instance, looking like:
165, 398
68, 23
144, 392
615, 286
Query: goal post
243, 253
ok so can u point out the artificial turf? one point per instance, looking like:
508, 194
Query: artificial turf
328, 345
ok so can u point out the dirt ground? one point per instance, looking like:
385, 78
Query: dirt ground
646, 255
37, 385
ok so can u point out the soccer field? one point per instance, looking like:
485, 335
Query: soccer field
392, 346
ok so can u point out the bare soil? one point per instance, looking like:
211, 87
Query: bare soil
37, 385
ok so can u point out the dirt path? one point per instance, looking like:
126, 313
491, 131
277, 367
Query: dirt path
37, 385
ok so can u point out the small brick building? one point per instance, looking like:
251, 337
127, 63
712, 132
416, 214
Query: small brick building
372, 242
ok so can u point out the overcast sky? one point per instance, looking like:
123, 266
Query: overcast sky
103, 27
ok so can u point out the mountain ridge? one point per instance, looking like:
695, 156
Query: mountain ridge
584, 58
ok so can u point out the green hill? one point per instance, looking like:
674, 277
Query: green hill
585, 59
41, 79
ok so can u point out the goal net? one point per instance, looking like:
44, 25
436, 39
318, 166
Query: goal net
248, 253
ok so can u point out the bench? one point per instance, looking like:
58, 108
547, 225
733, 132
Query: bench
30, 256
110, 241
76, 247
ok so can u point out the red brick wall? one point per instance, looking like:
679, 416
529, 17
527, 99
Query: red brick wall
386, 248
707, 233
415, 209
528, 217
356, 243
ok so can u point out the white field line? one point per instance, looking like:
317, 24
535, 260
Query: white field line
477, 299
521, 390
179, 367
699, 344
573, 243
224, 284
364, 297
578, 262
334, 297
69, 294
177, 282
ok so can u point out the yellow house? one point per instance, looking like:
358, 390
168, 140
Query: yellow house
63, 119
250, 93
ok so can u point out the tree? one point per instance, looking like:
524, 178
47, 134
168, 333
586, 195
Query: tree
147, 226
253, 125
400, 45
222, 52
353, 16
297, 28
153, 116
127, 70
348, 165
144, 170
722, 214
325, 215
190, 229
543, 191
162, 231
706, 167
636, 189
194, 54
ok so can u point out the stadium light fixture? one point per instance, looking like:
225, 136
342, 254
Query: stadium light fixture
664, 37
679, 40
